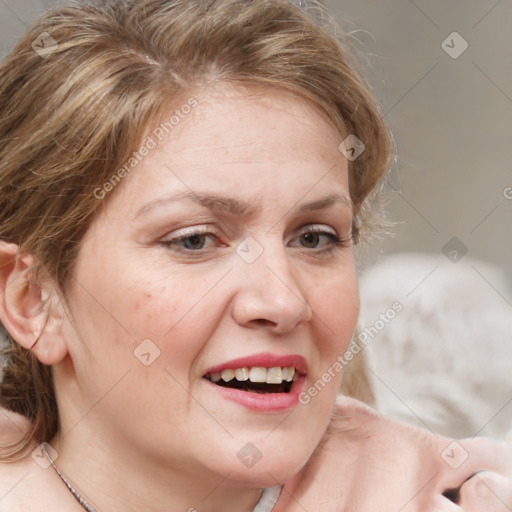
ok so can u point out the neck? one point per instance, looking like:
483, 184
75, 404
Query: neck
111, 477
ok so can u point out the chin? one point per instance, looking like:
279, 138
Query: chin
264, 463
267, 475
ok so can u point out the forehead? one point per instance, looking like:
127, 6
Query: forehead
248, 145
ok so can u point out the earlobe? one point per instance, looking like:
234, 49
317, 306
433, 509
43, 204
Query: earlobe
27, 310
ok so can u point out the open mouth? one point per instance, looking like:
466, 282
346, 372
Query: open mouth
256, 380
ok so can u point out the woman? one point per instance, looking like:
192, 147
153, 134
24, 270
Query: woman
182, 183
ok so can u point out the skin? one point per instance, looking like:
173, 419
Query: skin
138, 437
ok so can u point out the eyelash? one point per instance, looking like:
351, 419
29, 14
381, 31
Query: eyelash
334, 240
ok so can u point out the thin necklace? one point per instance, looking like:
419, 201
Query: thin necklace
266, 503
77, 496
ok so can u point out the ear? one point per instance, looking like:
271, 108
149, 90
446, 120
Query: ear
31, 312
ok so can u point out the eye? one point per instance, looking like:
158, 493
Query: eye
321, 238
190, 240
193, 242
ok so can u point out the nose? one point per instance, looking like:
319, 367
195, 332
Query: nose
269, 294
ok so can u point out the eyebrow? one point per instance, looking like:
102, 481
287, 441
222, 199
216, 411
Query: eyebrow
230, 205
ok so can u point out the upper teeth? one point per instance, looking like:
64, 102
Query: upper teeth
274, 375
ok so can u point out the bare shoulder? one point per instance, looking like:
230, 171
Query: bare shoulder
28, 484
18, 485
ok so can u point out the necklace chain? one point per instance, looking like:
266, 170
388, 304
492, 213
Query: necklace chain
77, 496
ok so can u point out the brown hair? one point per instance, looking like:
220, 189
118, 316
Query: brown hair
85, 84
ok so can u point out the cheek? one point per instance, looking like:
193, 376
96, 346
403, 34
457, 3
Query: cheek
336, 307
117, 306
179, 315
168, 307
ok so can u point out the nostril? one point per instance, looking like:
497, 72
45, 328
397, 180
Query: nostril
452, 494
263, 321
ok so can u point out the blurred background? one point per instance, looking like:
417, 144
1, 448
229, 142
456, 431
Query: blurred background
450, 109
442, 72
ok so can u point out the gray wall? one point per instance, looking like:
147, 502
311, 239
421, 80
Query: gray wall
452, 119
15, 17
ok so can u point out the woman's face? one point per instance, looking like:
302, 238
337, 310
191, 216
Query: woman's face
216, 253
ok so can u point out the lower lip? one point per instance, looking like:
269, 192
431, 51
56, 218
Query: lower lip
263, 402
